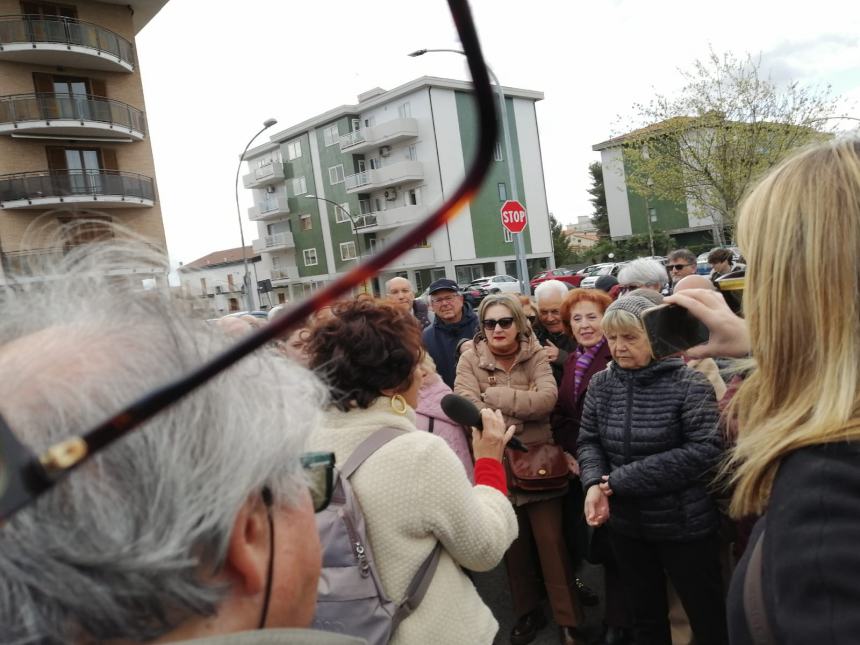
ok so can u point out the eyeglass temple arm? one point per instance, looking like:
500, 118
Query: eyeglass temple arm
62, 458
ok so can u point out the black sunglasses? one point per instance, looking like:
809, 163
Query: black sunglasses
24, 475
319, 468
677, 267
504, 323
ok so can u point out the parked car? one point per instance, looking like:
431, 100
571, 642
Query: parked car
563, 274
496, 283
599, 270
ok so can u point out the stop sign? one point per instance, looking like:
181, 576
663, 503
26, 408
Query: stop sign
513, 216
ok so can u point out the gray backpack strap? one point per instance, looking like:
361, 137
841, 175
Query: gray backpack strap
754, 607
366, 448
418, 587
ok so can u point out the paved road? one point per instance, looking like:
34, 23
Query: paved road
493, 587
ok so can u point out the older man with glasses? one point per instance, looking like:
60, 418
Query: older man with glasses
682, 262
455, 323
549, 328
199, 524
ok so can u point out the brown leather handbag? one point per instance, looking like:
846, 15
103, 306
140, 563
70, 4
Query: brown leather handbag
542, 468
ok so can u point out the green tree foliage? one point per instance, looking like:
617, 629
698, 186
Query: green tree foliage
560, 244
728, 125
600, 217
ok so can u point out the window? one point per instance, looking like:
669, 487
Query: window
411, 153
378, 204
509, 237
368, 122
300, 186
342, 214
347, 251
503, 192
405, 110
282, 298
653, 213
294, 150
331, 135
310, 257
306, 222
497, 152
375, 163
356, 124
335, 174
412, 197
203, 286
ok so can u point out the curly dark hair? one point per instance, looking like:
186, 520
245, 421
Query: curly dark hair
366, 347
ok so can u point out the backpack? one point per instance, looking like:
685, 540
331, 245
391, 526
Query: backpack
350, 597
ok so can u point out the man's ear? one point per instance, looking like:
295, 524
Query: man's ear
248, 550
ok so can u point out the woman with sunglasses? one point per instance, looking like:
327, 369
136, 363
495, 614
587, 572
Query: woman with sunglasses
508, 370
413, 491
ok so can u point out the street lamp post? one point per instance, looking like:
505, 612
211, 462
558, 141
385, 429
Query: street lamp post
519, 244
352, 225
246, 279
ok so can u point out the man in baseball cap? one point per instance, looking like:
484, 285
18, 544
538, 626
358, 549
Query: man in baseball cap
455, 321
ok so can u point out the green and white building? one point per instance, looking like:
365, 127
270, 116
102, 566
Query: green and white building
387, 162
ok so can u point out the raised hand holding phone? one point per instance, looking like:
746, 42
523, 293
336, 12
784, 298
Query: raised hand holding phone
729, 334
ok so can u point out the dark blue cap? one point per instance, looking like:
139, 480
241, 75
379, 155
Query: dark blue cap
444, 283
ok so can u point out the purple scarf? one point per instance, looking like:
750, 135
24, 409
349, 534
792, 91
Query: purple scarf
583, 362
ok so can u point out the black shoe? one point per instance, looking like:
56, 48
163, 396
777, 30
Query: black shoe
527, 627
617, 636
587, 596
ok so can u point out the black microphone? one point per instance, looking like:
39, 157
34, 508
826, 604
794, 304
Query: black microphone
464, 412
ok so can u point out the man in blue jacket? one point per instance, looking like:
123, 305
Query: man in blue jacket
455, 321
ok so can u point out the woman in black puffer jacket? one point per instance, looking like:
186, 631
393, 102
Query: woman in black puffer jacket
647, 447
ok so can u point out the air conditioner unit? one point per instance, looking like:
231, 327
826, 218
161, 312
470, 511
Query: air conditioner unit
385, 151
390, 194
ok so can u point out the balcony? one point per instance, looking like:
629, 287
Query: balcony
63, 42
417, 257
283, 274
272, 209
371, 222
66, 115
273, 243
397, 173
386, 133
271, 173
51, 188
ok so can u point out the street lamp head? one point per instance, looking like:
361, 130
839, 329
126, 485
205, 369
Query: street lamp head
270, 122
418, 52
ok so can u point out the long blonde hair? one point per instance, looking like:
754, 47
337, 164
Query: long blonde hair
800, 232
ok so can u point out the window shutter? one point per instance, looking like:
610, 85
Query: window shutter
56, 158
109, 159
44, 83
97, 87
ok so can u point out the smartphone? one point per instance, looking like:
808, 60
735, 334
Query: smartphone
672, 329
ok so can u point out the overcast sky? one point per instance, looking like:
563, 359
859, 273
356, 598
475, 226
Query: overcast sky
211, 77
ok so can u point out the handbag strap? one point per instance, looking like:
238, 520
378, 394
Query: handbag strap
418, 587
754, 607
367, 447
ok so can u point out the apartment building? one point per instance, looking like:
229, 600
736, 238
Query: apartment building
341, 185
73, 133
213, 283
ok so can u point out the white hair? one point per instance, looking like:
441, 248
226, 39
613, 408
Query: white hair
549, 287
643, 271
126, 547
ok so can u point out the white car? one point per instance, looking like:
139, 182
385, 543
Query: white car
599, 270
496, 283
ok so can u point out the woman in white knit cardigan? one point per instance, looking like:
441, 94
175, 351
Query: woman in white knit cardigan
413, 491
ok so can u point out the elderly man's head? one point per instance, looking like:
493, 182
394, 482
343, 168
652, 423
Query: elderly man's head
682, 262
549, 295
642, 273
166, 533
400, 293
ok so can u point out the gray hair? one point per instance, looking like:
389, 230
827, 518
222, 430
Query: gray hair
643, 271
127, 546
397, 277
549, 287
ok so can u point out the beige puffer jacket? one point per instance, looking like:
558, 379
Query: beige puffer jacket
526, 394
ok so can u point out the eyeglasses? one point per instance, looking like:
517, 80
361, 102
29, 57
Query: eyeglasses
319, 467
443, 300
24, 476
677, 267
504, 323
627, 288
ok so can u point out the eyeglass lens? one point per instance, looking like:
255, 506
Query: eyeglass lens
678, 267
319, 467
504, 323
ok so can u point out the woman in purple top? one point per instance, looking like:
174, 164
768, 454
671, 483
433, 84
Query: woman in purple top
582, 314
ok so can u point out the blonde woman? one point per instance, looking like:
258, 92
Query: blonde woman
647, 445
798, 451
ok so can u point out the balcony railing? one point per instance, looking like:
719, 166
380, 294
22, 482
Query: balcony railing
275, 241
49, 185
357, 180
351, 138
33, 30
397, 173
265, 175
25, 108
270, 209
373, 136
285, 274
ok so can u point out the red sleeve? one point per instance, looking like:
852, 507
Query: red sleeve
489, 472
